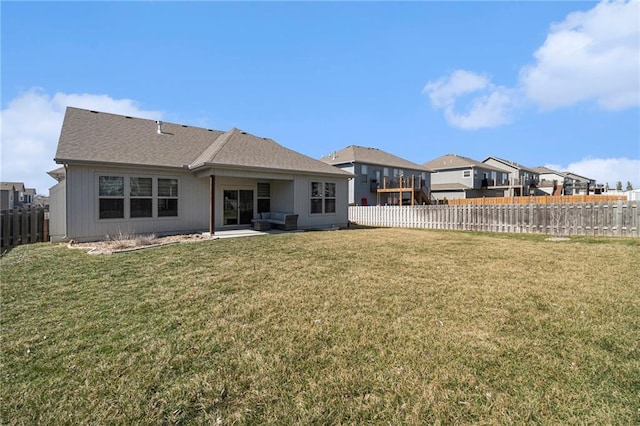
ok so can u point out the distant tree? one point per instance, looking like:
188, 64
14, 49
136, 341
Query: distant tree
629, 186
619, 186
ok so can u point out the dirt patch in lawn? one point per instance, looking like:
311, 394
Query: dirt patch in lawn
125, 244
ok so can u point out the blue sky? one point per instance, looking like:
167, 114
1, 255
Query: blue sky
539, 83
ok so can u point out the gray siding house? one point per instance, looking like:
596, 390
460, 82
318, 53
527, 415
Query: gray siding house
458, 177
582, 185
553, 182
522, 180
14, 195
127, 174
380, 177
10, 194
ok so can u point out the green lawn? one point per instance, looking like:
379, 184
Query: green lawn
379, 326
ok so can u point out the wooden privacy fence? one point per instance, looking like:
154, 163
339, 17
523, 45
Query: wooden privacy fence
620, 218
23, 226
543, 199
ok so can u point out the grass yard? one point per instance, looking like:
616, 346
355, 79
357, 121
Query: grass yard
378, 326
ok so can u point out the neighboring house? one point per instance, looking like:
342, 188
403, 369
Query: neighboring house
58, 174
380, 177
12, 195
57, 204
553, 182
126, 174
29, 197
457, 177
522, 180
581, 185
41, 201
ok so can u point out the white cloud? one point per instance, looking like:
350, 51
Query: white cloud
31, 126
489, 107
605, 170
443, 93
592, 55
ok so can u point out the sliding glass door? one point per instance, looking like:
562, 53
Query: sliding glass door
238, 207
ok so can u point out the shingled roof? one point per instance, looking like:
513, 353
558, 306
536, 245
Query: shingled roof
509, 163
241, 149
99, 137
366, 155
453, 161
545, 170
12, 186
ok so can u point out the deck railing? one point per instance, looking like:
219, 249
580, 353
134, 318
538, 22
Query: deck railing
402, 182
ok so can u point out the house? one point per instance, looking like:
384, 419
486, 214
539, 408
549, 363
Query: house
29, 197
140, 176
381, 177
12, 195
553, 182
458, 177
41, 201
522, 180
58, 174
581, 185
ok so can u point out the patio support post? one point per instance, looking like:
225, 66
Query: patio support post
212, 203
413, 190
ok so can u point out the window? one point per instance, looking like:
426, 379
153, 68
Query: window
316, 197
264, 197
363, 173
167, 197
323, 197
111, 197
329, 197
141, 197
467, 173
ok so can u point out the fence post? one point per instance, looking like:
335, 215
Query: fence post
45, 225
33, 225
15, 231
6, 227
619, 220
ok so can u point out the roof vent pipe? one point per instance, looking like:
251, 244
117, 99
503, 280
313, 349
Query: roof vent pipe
159, 123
